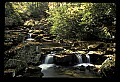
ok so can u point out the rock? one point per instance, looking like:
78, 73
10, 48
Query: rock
38, 32
15, 64
58, 48
9, 73
65, 59
52, 37
110, 51
33, 71
84, 58
107, 70
92, 47
38, 37
46, 39
96, 57
82, 68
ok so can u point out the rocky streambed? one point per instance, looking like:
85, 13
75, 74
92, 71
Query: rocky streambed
23, 60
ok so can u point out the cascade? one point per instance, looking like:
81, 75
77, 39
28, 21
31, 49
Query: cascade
48, 62
88, 58
80, 58
29, 38
30, 35
83, 60
49, 58
37, 49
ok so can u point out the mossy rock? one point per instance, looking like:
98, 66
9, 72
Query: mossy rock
107, 69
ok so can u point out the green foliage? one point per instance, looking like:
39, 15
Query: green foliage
15, 11
81, 20
19, 12
67, 19
37, 9
64, 18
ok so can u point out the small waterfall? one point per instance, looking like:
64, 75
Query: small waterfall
49, 58
80, 58
88, 58
30, 35
83, 60
48, 62
36, 48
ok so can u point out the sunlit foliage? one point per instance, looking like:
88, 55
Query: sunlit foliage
69, 20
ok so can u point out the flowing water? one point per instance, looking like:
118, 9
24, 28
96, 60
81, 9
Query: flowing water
29, 38
49, 68
49, 58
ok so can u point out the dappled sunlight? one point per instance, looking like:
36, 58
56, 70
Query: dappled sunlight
60, 39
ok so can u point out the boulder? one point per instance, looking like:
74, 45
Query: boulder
64, 59
9, 73
107, 70
33, 71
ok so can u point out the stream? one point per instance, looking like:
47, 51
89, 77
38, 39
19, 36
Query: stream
55, 71
51, 70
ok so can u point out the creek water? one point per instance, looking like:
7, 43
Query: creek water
51, 70
29, 37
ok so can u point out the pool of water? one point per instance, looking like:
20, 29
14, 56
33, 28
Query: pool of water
55, 71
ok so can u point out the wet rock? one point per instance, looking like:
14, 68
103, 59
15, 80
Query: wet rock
46, 39
58, 48
38, 37
82, 68
65, 59
33, 71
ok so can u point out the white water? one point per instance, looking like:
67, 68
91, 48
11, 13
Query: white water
88, 58
80, 61
49, 71
37, 48
30, 37
84, 64
49, 58
79, 58
46, 66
